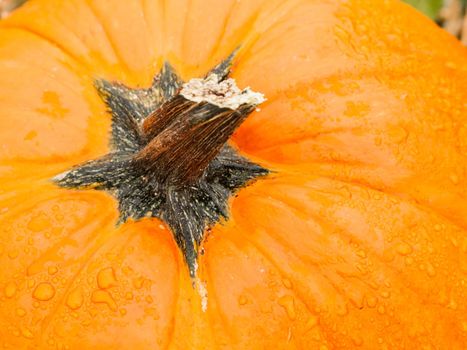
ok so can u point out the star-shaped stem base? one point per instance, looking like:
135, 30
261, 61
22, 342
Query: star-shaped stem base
170, 158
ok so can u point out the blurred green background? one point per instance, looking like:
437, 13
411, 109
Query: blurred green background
450, 14
431, 8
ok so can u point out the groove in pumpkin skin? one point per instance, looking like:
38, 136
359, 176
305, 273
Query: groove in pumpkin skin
408, 283
395, 276
121, 62
90, 253
97, 228
48, 40
231, 234
75, 66
220, 37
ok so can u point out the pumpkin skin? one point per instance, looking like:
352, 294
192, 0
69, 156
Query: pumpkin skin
356, 240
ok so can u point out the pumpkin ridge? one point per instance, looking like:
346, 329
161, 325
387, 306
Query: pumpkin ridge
50, 41
226, 22
406, 284
100, 244
110, 40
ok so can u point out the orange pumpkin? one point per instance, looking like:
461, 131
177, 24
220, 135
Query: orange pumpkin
355, 238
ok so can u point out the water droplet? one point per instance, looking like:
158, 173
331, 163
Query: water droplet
13, 254
454, 179
311, 323
10, 290
385, 294
129, 296
39, 223
31, 283
52, 270
138, 282
20, 312
44, 291
106, 278
404, 248
430, 270
149, 299
452, 305
398, 134
287, 284
361, 254
371, 302
381, 309
103, 297
27, 333
409, 261
122, 312
438, 227
242, 300
75, 299
358, 341
464, 326
288, 303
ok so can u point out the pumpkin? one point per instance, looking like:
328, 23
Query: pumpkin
150, 200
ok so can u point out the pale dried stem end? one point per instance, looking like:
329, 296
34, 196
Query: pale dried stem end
7, 6
223, 94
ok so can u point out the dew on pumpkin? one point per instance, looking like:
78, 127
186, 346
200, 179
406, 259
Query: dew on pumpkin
104, 297
31, 283
288, 303
404, 248
122, 312
10, 290
52, 270
75, 299
129, 296
361, 254
27, 333
287, 284
44, 291
385, 294
20, 312
106, 278
430, 270
357, 340
311, 323
242, 300
454, 179
138, 282
381, 309
31, 135
39, 223
13, 254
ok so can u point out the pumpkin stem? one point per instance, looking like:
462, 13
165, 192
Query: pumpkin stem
170, 157
189, 130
